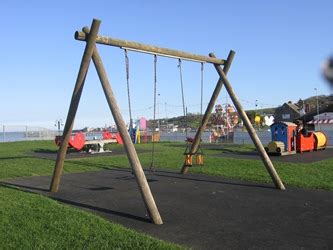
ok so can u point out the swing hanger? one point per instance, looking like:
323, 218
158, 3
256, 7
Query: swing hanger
162, 54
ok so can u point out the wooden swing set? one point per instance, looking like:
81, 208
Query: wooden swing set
91, 37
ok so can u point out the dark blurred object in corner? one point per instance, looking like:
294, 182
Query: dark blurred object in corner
327, 70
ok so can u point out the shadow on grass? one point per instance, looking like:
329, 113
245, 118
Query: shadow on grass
223, 148
45, 151
235, 152
74, 154
16, 157
103, 210
25, 187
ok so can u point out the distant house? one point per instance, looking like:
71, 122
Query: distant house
288, 112
323, 121
309, 116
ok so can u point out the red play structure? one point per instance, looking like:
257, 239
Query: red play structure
81, 141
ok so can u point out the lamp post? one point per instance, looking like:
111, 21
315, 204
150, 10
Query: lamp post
255, 114
58, 123
317, 103
158, 111
256, 106
166, 116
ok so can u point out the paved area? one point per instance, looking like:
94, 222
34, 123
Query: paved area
202, 212
305, 157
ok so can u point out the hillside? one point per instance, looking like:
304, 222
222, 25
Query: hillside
323, 101
193, 120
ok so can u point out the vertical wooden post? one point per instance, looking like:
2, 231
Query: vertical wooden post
266, 160
209, 109
74, 104
129, 147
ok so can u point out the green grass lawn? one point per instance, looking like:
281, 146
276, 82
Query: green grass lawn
32, 221
16, 160
29, 221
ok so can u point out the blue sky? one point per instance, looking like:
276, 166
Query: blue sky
279, 46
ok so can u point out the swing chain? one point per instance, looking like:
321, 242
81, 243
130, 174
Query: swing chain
128, 87
182, 92
181, 84
155, 85
202, 83
154, 116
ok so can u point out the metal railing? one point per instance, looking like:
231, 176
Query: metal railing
10, 133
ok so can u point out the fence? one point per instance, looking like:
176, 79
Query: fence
239, 137
11, 133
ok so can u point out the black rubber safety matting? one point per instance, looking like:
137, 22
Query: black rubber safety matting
202, 212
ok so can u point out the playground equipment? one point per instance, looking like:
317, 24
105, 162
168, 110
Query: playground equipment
199, 155
138, 130
223, 123
91, 52
189, 151
90, 142
283, 138
320, 140
288, 139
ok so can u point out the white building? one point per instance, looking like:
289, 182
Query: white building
323, 121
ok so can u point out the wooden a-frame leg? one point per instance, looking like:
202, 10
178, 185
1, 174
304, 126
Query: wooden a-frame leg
263, 154
128, 145
88, 51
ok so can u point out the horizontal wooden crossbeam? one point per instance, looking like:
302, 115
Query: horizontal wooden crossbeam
144, 48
